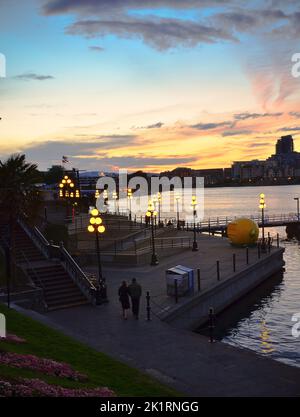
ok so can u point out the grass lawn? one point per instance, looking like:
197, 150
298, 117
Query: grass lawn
101, 369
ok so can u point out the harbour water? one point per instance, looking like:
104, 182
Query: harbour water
262, 320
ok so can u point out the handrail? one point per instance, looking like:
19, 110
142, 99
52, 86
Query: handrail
41, 285
37, 237
5, 242
77, 274
71, 266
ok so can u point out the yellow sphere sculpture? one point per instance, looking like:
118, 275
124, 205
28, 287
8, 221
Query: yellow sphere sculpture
243, 232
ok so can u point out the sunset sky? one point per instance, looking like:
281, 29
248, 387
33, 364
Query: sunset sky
151, 85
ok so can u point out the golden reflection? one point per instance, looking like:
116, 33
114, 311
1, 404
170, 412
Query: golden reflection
266, 344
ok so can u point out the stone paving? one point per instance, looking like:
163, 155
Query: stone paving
179, 358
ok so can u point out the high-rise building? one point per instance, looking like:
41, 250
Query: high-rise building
285, 145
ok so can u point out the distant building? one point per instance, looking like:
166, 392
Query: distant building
285, 145
284, 164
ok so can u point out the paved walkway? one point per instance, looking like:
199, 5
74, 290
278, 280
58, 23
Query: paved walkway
181, 359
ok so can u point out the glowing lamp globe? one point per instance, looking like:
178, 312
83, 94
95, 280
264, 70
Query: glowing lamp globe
243, 232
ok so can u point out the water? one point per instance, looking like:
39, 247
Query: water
262, 320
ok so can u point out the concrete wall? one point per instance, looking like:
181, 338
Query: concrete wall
194, 312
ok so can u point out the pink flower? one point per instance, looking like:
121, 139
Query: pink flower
37, 387
46, 366
12, 338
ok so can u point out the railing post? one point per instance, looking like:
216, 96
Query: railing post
234, 262
176, 290
218, 270
211, 324
148, 306
258, 250
247, 256
277, 238
198, 280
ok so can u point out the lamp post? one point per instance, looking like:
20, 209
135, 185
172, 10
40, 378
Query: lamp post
151, 213
298, 212
194, 207
115, 197
262, 206
159, 198
68, 191
97, 227
129, 196
177, 198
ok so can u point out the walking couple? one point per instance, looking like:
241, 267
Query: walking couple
134, 291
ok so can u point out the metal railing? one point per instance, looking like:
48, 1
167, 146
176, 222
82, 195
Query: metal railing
36, 282
37, 238
77, 274
222, 222
51, 251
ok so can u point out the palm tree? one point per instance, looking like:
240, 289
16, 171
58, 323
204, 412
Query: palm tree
18, 192
18, 197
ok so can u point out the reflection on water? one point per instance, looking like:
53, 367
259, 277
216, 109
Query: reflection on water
262, 320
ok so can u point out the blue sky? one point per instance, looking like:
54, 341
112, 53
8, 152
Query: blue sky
83, 71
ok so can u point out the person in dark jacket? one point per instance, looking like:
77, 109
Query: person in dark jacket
124, 298
135, 292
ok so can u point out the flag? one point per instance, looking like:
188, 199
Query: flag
65, 159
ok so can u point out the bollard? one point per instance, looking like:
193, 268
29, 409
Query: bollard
176, 290
211, 324
247, 256
269, 243
198, 278
277, 238
218, 270
234, 262
258, 250
148, 306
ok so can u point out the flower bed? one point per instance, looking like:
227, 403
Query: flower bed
46, 366
13, 339
37, 387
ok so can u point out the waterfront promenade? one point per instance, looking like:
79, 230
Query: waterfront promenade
177, 357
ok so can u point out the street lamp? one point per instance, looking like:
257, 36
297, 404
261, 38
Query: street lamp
97, 227
177, 198
262, 206
159, 206
68, 191
298, 212
151, 213
115, 197
129, 196
194, 207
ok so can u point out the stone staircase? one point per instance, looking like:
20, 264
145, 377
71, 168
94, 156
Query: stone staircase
59, 289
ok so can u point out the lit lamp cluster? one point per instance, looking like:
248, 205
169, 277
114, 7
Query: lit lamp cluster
151, 214
97, 227
262, 206
194, 207
67, 188
129, 196
96, 222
